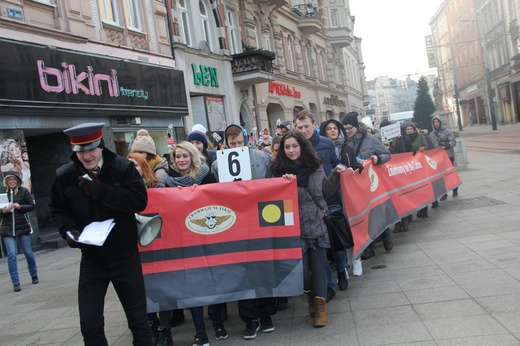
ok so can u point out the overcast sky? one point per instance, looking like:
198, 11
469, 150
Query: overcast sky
392, 33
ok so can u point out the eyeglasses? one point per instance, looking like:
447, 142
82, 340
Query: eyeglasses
348, 128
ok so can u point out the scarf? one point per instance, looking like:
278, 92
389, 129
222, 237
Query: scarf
187, 180
154, 162
412, 136
301, 173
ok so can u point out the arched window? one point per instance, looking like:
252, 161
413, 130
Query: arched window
206, 25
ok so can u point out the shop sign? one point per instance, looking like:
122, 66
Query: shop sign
284, 90
33, 74
205, 75
333, 100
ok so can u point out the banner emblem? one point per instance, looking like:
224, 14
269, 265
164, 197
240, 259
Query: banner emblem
431, 162
211, 219
276, 213
374, 180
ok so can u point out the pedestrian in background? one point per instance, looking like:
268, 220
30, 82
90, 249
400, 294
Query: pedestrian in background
366, 147
298, 160
442, 137
419, 143
98, 185
15, 225
145, 145
256, 312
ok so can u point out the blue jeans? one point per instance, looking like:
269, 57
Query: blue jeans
384, 236
12, 253
340, 261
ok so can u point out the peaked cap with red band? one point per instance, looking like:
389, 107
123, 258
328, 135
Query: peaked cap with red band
86, 136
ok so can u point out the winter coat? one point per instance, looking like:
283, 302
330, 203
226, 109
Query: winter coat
365, 145
312, 225
122, 194
419, 142
338, 143
161, 170
15, 224
260, 164
443, 137
326, 150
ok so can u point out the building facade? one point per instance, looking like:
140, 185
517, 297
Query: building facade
67, 62
474, 44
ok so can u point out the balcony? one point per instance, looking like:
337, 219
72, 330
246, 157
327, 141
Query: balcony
310, 21
276, 3
253, 67
340, 37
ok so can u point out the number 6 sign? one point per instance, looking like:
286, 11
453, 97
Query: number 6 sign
233, 164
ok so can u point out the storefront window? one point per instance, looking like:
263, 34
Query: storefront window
123, 141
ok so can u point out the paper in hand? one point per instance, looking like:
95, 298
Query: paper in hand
95, 233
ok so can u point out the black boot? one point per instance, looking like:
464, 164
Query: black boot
342, 280
165, 337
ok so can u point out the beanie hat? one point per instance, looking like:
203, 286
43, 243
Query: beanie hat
368, 122
409, 123
199, 127
287, 124
144, 143
198, 136
351, 119
384, 122
12, 174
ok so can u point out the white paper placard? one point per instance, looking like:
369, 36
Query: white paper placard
233, 164
390, 131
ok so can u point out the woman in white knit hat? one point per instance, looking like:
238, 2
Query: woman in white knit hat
144, 145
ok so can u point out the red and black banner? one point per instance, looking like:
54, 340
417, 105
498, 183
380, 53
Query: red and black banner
223, 242
383, 194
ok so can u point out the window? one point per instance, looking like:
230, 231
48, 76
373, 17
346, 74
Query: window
184, 23
334, 18
108, 10
133, 19
233, 32
206, 28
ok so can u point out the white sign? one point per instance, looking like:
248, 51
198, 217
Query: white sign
234, 164
390, 131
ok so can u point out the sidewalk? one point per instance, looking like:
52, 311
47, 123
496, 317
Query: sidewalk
453, 279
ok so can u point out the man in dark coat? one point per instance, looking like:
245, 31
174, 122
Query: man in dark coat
99, 185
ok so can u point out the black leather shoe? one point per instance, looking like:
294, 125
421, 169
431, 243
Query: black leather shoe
330, 294
17, 288
282, 303
35, 279
435, 204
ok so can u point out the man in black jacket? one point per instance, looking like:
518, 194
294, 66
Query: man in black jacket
96, 186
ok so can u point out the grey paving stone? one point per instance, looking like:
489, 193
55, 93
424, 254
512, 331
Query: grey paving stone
487, 340
426, 282
448, 309
436, 294
386, 315
502, 303
377, 301
395, 333
466, 326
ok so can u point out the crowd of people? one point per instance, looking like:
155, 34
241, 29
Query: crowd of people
97, 185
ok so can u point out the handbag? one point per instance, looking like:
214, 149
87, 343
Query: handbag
338, 228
